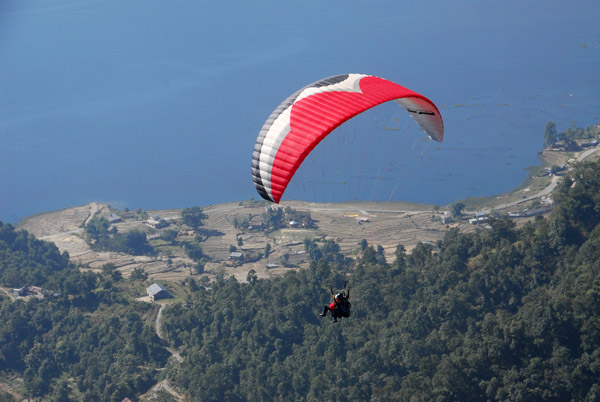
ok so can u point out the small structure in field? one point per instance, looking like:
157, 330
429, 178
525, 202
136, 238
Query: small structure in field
236, 256
114, 218
28, 290
156, 222
158, 292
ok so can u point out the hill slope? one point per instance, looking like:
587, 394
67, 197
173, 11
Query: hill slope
507, 314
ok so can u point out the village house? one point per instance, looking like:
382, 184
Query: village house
589, 144
158, 292
303, 219
236, 256
447, 217
114, 218
28, 290
256, 224
156, 222
479, 217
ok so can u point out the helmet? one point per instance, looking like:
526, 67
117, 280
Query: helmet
339, 296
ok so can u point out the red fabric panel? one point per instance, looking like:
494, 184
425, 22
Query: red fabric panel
315, 116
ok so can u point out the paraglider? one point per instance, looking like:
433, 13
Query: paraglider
340, 307
305, 118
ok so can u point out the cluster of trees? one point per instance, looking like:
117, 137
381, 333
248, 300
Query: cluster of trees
504, 314
193, 217
275, 218
195, 252
85, 339
456, 208
552, 136
99, 235
101, 351
25, 260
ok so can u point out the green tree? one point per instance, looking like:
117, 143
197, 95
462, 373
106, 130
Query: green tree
550, 134
110, 271
273, 218
194, 251
193, 217
251, 277
96, 232
193, 285
61, 391
381, 255
133, 242
169, 235
400, 261
199, 268
313, 250
369, 256
456, 208
139, 274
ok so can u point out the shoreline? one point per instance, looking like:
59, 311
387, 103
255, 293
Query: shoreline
547, 158
384, 224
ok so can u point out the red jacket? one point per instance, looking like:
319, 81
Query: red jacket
332, 306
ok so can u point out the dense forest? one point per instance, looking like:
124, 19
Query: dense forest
506, 313
81, 337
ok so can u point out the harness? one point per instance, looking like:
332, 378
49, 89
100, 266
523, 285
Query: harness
343, 305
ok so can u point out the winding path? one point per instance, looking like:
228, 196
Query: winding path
543, 192
548, 190
164, 385
158, 326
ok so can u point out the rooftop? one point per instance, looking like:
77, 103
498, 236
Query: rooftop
155, 288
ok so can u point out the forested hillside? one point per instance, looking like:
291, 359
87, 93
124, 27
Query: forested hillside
80, 338
504, 314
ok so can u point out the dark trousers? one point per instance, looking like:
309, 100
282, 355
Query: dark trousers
335, 313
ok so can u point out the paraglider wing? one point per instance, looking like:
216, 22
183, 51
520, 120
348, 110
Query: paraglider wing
296, 126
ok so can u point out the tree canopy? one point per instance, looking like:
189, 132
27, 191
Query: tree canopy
100, 236
505, 314
193, 217
25, 260
84, 339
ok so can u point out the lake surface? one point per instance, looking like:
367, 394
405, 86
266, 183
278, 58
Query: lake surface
157, 104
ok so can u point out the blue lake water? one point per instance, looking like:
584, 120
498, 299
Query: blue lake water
157, 104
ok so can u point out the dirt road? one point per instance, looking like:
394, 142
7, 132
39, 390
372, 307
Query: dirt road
159, 333
545, 192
